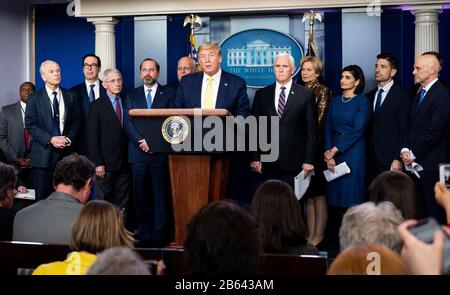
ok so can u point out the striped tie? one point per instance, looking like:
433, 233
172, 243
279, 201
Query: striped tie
281, 102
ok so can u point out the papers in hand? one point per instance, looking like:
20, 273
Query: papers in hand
301, 184
414, 167
30, 195
339, 170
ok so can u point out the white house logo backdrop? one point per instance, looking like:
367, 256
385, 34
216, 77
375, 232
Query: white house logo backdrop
250, 54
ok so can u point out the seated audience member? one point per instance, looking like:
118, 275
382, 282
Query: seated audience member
420, 257
7, 191
278, 215
371, 224
442, 195
395, 187
360, 260
50, 220
118, 261
98, 227
222, 239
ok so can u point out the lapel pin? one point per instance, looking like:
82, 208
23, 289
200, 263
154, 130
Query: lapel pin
292, 92
226, 84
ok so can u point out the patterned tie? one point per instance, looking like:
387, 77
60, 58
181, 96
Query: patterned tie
149, 98
26, 138
378, 102
281, 102
56, 113
208, 102
118, 110
422, 95
92, 93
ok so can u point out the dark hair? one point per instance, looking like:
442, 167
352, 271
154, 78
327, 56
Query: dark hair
397, 188
29, 83
99, 62
393, 61
358, 74
7, 180
437, 55
73, 170
279, 216
222, 239
149, 59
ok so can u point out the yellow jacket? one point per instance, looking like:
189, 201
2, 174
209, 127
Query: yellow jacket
77, 263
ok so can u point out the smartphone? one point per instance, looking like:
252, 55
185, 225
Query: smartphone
424, 230
444, 174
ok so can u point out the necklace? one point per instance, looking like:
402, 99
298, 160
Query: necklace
345, 99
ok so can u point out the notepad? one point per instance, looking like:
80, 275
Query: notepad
339, 170
30, 195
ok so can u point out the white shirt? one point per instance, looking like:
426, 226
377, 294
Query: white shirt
62, 109
386, 89
278, 91
96, 88
216, 84
23, 107
152, 93
429, 86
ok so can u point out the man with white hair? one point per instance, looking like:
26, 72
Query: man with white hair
52, 119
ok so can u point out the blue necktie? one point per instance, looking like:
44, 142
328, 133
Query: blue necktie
378, 102
422, 95
56, 113
149, 98
92, 93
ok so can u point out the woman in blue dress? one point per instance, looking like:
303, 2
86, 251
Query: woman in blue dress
344, 142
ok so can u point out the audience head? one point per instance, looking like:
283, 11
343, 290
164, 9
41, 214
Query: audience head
284, 68
352, 77
397, 188
186, 65
222, 240
7, 185
50, 73
279, 216
113, 82
371, 224
370, 259
149, 69
75, 172
92, 66
210, 58
426, 69
311, 68
118, 261
385, 68
98, 227
26, 88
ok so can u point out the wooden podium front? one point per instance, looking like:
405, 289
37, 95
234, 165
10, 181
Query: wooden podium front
196, 177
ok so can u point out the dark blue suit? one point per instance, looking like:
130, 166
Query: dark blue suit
150, 220
232, 94
39, 122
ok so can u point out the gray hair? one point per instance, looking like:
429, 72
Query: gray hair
371, 224
109, 71
44, 64
118, 261
291, 59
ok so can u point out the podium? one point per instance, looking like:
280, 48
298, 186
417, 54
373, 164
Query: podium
197, 175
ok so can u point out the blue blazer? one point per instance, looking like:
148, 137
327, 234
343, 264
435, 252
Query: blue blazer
135, 99
232, 94
38, 120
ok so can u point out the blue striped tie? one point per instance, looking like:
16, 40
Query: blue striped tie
281, 102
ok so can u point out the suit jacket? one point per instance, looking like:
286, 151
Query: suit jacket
232, 94
387, 128
12, 140
82, 96
297, 126
107, 141
38, 120
48, 221
135, 99
429, 128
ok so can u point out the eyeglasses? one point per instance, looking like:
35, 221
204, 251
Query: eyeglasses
114, 80
92, 66
184, 69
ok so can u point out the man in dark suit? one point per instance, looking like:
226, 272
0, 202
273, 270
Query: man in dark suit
87, 91
52, 118
14, 138
389, 119
213, 88
150, 171
293, 105
427, 139
185, 66
108, 143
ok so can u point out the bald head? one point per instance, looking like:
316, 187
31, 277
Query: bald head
186, 65
426, 69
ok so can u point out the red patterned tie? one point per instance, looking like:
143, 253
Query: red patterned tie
118, 111
26, 139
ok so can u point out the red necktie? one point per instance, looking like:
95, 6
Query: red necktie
26, 139
118, 111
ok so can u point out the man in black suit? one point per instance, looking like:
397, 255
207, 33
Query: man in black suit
52, 118
427, 139
87, 91
293, 105
389, 119
108, 143
150, 171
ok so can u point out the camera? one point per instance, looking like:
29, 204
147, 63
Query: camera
424, 230
444, 174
